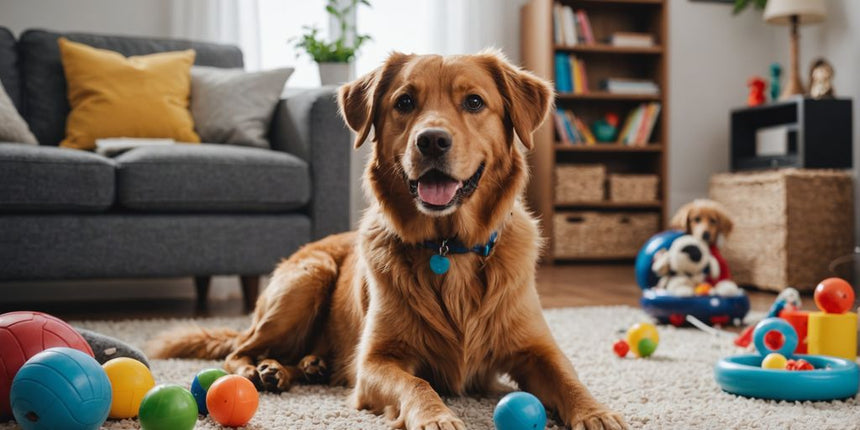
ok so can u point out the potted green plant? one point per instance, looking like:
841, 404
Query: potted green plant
334, 57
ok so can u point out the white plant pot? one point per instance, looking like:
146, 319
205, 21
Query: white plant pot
335, 73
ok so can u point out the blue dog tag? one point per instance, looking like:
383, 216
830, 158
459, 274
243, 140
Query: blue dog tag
439, 264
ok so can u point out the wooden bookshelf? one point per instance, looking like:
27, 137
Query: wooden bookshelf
538, 48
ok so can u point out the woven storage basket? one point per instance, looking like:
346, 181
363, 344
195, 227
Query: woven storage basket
633, 188
580, 183
789, 225
602, 234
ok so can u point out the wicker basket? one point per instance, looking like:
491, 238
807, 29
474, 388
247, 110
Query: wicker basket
789, 225
602, 234
575, 183
633, 188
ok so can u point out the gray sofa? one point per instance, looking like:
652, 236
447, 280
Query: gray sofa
187, 210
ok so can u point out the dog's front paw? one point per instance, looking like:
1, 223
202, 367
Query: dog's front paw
273, 376
600, 419
436, 419
314, 369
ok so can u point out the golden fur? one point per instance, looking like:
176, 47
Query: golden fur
705, 219
364, 308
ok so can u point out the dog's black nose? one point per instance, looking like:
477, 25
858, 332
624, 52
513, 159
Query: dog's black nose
434, 142
706, 236
693, 251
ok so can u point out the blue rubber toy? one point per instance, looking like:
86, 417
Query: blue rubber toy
61, 388
519, 411
645, 277
708, 309
833, 378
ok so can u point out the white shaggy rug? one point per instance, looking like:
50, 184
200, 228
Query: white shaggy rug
674, 389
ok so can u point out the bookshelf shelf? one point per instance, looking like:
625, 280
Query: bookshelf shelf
603, 95
591, 65
608, 204
608, 147
602, 48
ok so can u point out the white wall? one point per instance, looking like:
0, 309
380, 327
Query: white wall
126, 17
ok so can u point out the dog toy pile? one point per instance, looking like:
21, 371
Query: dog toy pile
642, 339
778, 374
49, 379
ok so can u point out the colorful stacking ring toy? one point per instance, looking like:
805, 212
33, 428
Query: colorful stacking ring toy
833, 378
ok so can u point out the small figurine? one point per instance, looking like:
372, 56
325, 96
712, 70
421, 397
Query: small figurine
756, 85
605, 129
821, 79
775, 87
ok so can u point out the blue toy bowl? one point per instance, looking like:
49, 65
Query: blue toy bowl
666, 308
833, 378
645, 277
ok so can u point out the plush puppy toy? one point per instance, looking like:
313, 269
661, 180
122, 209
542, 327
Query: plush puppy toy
682, 267
708, 221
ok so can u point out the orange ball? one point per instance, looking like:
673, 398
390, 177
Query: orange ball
834, 296
232, 401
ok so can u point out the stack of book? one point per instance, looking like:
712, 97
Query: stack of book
571, 130
630, 86
639, 124
569, 27
570, 74
631, 40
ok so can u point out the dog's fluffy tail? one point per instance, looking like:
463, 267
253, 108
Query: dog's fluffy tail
193, 342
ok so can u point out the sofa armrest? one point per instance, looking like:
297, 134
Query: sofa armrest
306, 124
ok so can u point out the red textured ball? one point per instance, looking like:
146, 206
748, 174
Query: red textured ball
25, 334
621, 348
773, 340
799, 365
834, 295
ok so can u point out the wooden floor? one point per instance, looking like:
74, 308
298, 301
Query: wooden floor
559, 286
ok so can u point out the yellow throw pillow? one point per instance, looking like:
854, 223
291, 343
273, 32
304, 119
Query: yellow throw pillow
115, 96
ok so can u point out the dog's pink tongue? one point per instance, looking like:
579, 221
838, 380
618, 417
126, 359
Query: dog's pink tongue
438, 193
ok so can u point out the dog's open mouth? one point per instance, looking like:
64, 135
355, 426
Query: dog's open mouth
438, 191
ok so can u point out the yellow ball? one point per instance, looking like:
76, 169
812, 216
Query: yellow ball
129, 380
773, 361
643, 332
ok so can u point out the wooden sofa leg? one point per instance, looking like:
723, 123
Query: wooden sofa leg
201, 284
250, 290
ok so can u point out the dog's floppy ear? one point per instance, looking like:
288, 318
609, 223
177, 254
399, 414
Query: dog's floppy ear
725, 222
681, 220
528, 98
358, 100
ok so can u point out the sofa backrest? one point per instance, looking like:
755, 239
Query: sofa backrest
44, 84
9, 74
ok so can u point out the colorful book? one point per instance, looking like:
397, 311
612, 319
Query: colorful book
577, 78
586, 133
639, 138
557, 24
631, 40
563, 78
570, 37
585, 27
583, 75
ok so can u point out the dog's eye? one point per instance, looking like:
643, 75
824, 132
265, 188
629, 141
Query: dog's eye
697, 219
404, 104
473, 103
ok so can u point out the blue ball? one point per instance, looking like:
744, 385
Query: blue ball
519, 411
61, 388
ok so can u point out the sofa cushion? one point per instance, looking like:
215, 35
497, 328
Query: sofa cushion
9, 75
39, 179
13, 128
116, 96
44, 90
211, 178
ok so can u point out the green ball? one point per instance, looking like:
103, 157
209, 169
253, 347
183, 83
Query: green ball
168, 407
646, 347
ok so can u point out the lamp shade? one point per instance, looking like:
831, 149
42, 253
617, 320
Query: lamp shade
807, 11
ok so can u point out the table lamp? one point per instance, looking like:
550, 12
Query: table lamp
793, 13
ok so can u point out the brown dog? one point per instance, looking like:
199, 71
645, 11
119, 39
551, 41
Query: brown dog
366, 307
705, 219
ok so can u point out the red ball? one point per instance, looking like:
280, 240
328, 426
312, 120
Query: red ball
25, 334
798, 365
621, 348
773, 340
834, 295
232, 400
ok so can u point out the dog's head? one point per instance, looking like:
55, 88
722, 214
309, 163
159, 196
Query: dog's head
705, 219
444, 130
